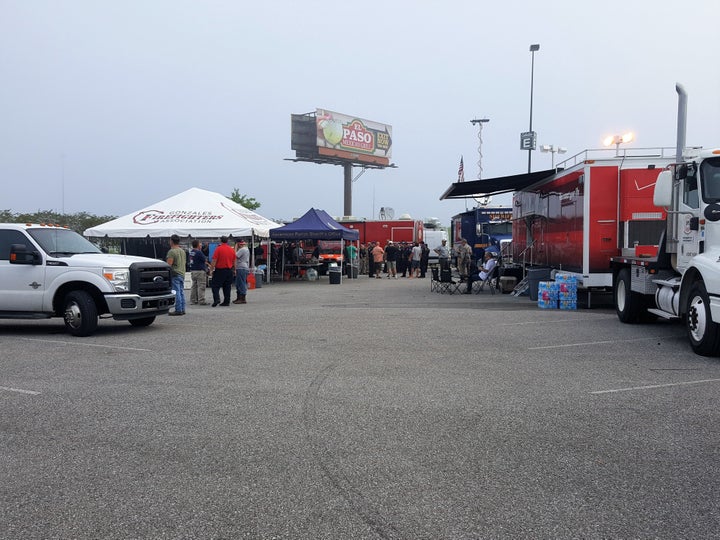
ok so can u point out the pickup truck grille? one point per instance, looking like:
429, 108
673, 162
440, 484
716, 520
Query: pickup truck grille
148, 279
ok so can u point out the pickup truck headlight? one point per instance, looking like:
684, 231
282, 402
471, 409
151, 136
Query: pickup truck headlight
118, 278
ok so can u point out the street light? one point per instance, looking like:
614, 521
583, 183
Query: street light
553, 150
531, 147
617, 140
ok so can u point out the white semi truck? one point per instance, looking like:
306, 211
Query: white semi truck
49, 271
683, 280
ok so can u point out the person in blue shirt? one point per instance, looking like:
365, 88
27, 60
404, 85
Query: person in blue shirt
198, 273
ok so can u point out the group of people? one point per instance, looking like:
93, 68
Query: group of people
463, 262
226, 265
404, 259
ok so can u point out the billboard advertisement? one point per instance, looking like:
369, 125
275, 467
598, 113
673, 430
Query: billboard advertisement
353, 139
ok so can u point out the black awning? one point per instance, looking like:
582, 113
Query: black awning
494, 186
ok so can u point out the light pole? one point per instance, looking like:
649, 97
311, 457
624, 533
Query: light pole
531, 147
553, 150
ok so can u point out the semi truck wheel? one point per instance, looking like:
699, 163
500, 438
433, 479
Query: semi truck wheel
81, 318
145, 321
704, 334
629, 305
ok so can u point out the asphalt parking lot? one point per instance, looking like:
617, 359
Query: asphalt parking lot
370, 409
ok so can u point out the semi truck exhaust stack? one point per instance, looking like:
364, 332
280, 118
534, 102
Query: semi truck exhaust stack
681, 122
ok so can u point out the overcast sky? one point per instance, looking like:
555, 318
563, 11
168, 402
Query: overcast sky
107, 107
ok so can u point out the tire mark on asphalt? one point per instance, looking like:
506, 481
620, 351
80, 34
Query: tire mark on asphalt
328, 463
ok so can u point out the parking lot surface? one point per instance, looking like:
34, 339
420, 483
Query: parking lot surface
369, 409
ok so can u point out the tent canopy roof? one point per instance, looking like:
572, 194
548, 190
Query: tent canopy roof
195, 212
316, 225
495, 186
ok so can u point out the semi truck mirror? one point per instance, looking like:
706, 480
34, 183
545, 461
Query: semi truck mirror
663, 189
712, 212
681, 172
694, 223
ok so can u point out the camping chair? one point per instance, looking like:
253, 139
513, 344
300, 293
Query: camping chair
492, 280
442, 281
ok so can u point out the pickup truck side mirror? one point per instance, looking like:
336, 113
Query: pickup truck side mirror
19, 254
663, 189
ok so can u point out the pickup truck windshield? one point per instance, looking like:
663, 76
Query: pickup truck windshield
62, 242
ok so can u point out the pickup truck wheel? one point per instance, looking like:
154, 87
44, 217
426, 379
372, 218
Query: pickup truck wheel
628, 305
145, 321
81, 318
704, 334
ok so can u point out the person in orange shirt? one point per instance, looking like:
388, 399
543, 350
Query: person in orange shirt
222, 270
378, 255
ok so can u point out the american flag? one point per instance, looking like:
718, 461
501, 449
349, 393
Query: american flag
461, 171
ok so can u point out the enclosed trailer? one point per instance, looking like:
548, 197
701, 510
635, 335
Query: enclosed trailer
397, 230
597, 207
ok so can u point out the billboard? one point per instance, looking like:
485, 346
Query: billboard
339, 138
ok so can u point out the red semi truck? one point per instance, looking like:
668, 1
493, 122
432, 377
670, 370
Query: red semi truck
397, 230
598, 206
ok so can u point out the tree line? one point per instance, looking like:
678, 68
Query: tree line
77, 222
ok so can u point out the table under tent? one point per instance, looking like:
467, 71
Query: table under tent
314, 225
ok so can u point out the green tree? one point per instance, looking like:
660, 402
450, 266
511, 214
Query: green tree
243, 200
77, 222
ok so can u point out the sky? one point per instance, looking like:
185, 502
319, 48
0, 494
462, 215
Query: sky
108, 107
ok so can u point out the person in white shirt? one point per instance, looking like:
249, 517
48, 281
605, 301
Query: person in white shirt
483, 271
443, 254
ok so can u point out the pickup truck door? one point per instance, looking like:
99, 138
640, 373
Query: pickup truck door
22, 286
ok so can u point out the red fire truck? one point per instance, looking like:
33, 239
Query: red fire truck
597, 206
397, 230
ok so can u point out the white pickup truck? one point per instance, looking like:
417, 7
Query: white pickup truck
50, 271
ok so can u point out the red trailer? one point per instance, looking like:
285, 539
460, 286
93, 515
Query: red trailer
397, 230
599, 206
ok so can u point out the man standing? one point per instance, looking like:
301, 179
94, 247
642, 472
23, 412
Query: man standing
378, 255
242, 269
415, 256
464, 254
198, 273
221, 272
443, 255
424, 259
176, 259
371, 259
391, 255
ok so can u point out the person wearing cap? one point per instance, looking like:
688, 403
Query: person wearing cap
483, 271
443, 254
242, 269
464, 255
391, 255
176, 259
221, 272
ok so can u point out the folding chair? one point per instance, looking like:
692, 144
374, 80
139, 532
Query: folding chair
434, 280
446, 284
491, 280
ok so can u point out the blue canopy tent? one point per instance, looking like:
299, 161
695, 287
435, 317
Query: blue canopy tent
315, 225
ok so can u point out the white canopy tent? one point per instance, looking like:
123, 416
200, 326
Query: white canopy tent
196, 212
